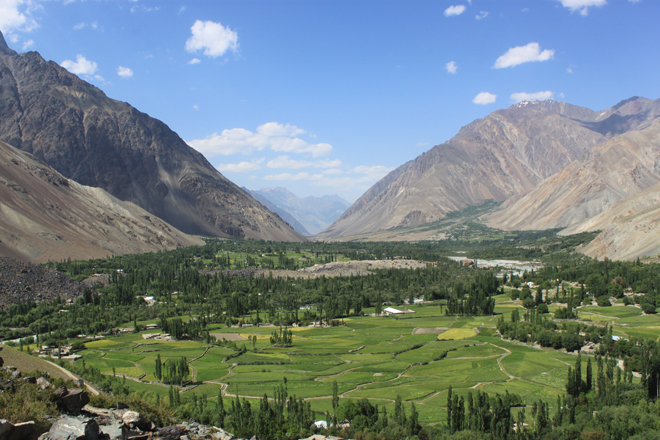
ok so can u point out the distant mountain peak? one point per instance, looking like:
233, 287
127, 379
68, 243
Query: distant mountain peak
4, 49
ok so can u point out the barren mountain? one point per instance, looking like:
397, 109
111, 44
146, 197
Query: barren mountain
625, 165
504, 154
97, 141
284, 214
45, 216
630, 228
315, 213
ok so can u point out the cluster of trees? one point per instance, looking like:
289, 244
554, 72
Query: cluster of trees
483, 413
282, 339
172, 371
283, 416
476, 298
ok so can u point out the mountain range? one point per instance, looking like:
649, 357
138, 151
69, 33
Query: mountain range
100, 142
313, 213
553, 164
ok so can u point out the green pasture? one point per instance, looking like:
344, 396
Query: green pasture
376, 358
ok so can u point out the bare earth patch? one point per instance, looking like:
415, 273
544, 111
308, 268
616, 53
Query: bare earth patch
429, 330
228, 336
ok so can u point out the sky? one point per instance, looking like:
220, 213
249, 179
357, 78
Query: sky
328, 96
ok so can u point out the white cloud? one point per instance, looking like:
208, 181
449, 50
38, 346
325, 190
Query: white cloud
484, 98
286, 162
241, 167
272, 135
523, 54
359, 178
536, 96
82, 66
454, 10
196, 107
582, 6
288, 176
82, 25
213, 38
569, 70
124, 72
195, 61
28, 44
182, 9
451, 67
276, 129
481, 15
16, 15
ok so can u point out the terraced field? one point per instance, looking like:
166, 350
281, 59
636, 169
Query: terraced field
417, 356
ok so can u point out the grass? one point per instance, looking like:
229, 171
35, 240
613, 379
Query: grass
376, 358
456, 333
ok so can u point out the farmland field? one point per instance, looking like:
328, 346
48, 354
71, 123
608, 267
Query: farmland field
417, 356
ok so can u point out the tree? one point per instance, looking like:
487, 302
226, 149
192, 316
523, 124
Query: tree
159, 367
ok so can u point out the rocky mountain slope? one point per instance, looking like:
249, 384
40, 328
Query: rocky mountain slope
284, 214
45, 216
630, 228
503, 155
97, 141
623, 166
21, 281
315, 213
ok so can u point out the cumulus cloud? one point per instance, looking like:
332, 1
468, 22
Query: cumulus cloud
28, 44
241, 167
360, 177
582, 6
451, 67
272, 135
213, 38
286, 162
124, 72
523, 54
276, 129
16, 15
82, 66
195, 61
536, 96
481, 15
484, 98
454, 10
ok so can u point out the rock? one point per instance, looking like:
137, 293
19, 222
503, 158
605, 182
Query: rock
171, 432
72, 401
133, 419
43, 383
16, 374
30, 379
19, 431
75, 428
6, 385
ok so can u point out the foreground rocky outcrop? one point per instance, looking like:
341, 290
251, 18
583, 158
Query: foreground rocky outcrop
100, 142
45, 216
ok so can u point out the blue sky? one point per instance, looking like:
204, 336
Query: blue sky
326, 97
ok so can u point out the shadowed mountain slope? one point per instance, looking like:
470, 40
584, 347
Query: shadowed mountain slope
97, 141
45, 216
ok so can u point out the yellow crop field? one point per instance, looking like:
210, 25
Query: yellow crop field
457, 333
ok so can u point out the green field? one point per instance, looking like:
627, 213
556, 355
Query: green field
416, 356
